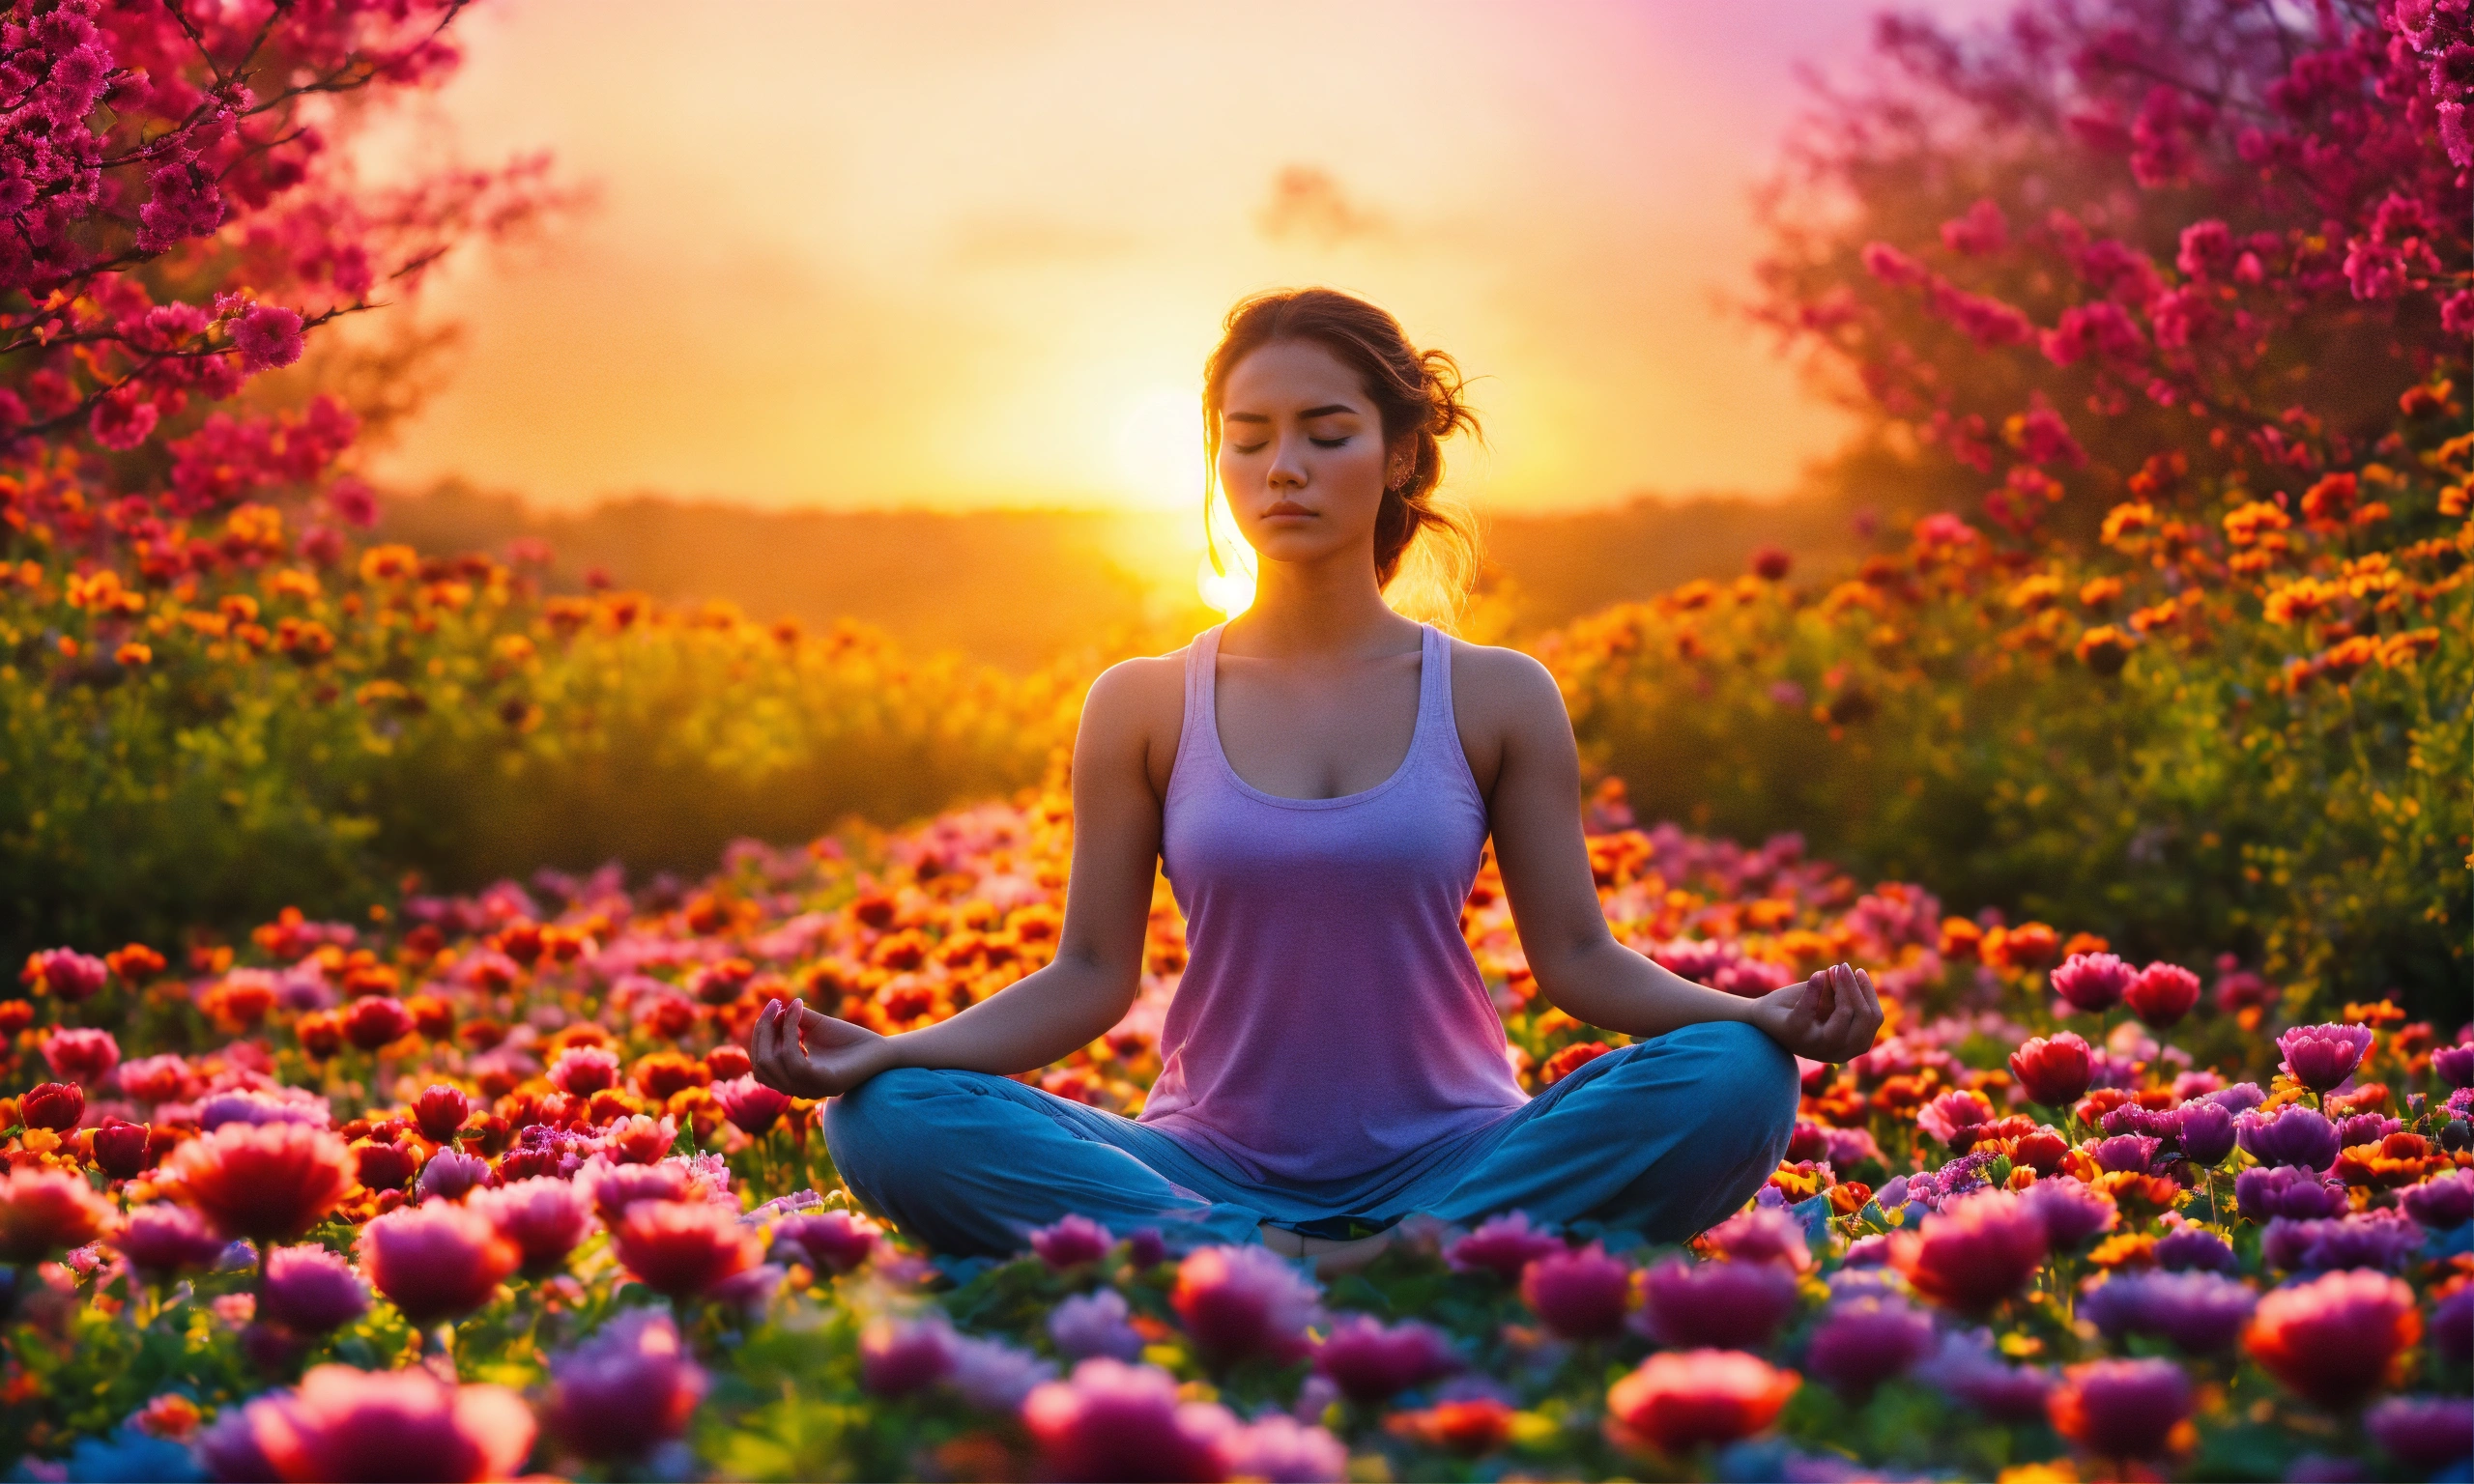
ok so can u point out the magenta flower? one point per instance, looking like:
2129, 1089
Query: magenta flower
1974, 1252
1967, 1368
897, 1357
85, 1057
580, 1072
310, 1291
440, 1111
2454, 1065
451, 1174
1241, 1301
1111, 1421
1763, 1235
2322, 1056
2199, 1313
1719, 1305
1094, 1323
543, 1216
2161, 994
2129, 1151
2284, 1190
2424, 1433
2206, 1133
826, 1241
436, 1261
1954, 1116
162, 1240
750, 1106
2120, 1409
1502, 1246
268, 336
1372, 1364
2093, 981
66, 974
1072, 1242
2071, 1210
2442, 1202
2333, 1338
344, 1424
2292, 1134
626, 1392
1579, 1295
1283, 1450
1861, 1343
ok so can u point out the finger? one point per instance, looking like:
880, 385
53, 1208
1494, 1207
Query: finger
760, 1037
1872, 1000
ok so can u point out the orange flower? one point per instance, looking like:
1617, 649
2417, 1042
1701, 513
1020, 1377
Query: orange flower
1468, 1428
1677, 1400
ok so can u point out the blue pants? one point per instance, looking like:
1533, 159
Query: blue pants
1659, 1139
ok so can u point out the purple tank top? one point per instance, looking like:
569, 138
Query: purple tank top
1331, 1018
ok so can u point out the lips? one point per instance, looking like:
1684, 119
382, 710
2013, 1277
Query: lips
1285, 507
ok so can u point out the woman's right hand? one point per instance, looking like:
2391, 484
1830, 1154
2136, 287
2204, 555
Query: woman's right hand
808, 1054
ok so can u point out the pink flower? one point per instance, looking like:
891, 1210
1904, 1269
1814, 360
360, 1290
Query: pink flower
1113, 1421
626, 1392
750, 1106
1953, 1117
2053, 1070
2161, 994
829, 1242
2454, 1065
310, 1290
1719, 1305
1863, 1342
683, 1249
268, 1182
1372, 1364
1680, 1399
2334, 1338
155, 1078
580, 1072
2120, 1409
1763, 1235
85, 1057
44, 1211
543, 1216
1072, 1242
1974, 1252
451, 1174
436, 1261
162, 1240
2322, 1056
2093, 981
1580, 1295
343, 1424
1502, 1246
1094, 1323
268, 336
2130, 1152
64, 974
1283, 1450
1242, 1302
900, 1357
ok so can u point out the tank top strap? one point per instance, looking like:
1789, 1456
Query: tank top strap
1199, 732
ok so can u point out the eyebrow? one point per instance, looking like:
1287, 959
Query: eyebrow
1313, 411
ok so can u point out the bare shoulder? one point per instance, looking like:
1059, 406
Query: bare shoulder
1135, 711
1501, 687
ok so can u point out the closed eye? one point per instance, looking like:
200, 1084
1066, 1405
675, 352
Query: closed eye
1319, 442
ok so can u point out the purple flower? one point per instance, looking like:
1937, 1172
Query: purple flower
900, 1357
2442, 1202
994, 1375
2284, 1191
1372, 1364
2424, 1433
1072, 1242
1146, 1248
2454, 1065
2155, 1123
2130, 1152
2292, 1134
2093, 981
2071, 1210
1242, 1302
2240, 1098
2206, 1133
2453, 1326
160, 1239
2199, 1313
1967, 1368
826, 1241
1094, 1323
2364, 1129
1725, 1305
268, 1105
2322, 1056
2384, 1242
1114, 1421
2195, 1250
1861, 1343
626, 1392
310, 1290
2120, 1409
451, 1173
1502, 1246
1282, 1450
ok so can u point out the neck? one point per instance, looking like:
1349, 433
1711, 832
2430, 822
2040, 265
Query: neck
1326, 608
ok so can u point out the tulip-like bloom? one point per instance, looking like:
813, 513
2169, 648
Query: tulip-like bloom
1972, 1253
2055, 1070
1071, 1243
1763, 1235
375, 1021
1579, 1295
381, 1166
120, 1148
683, 1249
44, 1211
580, 1072
310, 1291
1111, 1421
1094, 1323
897, 1357
2206, 1133
2093, 981
1715, 1305
436, 1262
1954, 1116
616, 1187
626, 1392
1967, 1368
155, 1078
826, 1241
2120, 1409
1502, 1246
1679, 1399
2443, 1202
2364, 1129
162, 1240
2199, 1313
1372, 1364
2283, 1190
637, 1139
1861, 1343
440, 1111
54, 1106
65, 973
2322, 1056
750, 1106
543, 1216
268, 1182
2195, 1250
343, 1424
2384, 1242
451, 1174
2072, 1212
2454, 1065
2424, 1433
85, 1057
2237, 1100
2333, 1339
2161, 994
2292, 1134
1241, 1301
2129, 1151
1283, 1450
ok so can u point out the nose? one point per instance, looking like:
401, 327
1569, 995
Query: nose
1288, 468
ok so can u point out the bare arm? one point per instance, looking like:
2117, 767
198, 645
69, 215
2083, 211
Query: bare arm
1580, 967
1098, 968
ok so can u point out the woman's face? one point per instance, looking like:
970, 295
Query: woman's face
1300, 453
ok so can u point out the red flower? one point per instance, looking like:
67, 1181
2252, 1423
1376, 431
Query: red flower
2054, 1071
1974, 1252
54, 1106
683, 1249
44, 1211
375, 1021
436, 1261
2335, 1338
266, 1182
2162, 993
584, 1071
2120, 1409
407, 1424
120, 1148
85, 1057
1241, 1301
1679, 1399
441, 1111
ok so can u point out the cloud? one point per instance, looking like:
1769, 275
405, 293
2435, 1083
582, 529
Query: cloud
1306, 203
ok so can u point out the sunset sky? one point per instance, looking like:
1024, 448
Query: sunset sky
959, 255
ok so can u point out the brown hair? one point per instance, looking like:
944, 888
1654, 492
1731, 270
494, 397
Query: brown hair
1410, 389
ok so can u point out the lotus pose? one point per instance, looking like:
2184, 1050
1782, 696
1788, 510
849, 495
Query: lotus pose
1318, 778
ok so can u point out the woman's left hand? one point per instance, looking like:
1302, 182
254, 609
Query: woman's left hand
1831, 1017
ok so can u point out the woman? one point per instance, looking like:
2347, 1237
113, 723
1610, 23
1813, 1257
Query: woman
1318, 778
